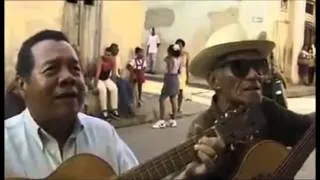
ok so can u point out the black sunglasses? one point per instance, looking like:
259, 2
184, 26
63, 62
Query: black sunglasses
241, 67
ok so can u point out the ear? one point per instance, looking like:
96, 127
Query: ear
213, 81
22, 85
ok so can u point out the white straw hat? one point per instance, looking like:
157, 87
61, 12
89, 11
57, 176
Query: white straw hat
231, 38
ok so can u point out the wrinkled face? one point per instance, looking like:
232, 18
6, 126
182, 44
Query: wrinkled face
56, 86
239, 79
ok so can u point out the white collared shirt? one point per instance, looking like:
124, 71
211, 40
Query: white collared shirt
153, 42
32, 153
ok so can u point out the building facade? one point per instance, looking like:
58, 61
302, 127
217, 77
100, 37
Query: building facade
92, 25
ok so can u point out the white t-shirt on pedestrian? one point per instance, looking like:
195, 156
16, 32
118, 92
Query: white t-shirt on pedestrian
152, 43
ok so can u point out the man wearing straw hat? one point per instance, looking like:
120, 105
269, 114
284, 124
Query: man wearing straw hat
234, 67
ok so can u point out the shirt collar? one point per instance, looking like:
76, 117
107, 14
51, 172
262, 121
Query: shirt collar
40, 135
216, 112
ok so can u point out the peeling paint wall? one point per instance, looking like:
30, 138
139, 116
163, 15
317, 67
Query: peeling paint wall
206, 18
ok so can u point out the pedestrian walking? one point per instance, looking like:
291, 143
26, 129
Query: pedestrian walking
137, 67
170, 86
153, 44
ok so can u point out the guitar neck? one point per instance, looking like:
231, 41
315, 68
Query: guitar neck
166, 163
297, 155
179, 156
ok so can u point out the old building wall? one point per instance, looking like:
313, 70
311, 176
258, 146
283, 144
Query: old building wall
24, 18
122, 23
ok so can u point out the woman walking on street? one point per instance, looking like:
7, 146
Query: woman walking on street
170, 86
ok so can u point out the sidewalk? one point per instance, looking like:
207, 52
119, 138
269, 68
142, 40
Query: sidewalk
292, 91
149, 111
201, 99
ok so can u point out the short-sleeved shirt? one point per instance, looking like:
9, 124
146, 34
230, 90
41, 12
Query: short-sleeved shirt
33, 153
153, 42
137, 63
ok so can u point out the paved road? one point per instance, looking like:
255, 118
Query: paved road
148, 143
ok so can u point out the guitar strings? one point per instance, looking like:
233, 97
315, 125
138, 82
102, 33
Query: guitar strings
285, 164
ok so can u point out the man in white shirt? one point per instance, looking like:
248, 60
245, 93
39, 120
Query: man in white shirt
51, 129
152, 51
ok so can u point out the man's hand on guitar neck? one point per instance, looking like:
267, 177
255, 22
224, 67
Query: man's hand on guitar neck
208, 149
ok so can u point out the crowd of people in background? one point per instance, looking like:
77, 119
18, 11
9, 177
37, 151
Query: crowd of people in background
119, 96
307, 65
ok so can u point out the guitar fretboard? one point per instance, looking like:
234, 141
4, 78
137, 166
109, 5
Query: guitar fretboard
167, 163
297, 155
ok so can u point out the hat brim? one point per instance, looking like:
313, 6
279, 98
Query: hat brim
203, 62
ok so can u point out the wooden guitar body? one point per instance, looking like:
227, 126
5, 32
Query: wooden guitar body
82, 166
263, 157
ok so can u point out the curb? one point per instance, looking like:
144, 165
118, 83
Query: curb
290, 93
143, 119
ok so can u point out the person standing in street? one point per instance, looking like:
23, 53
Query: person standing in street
184, 72
125, 88
137, 67
153, 44
303, 65
312, 66
170, 86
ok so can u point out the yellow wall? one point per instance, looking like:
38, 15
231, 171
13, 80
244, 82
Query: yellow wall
122, 23
24, 18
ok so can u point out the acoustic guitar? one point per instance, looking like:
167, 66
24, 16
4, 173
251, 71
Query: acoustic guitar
256, 161
272, 159
88, 166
